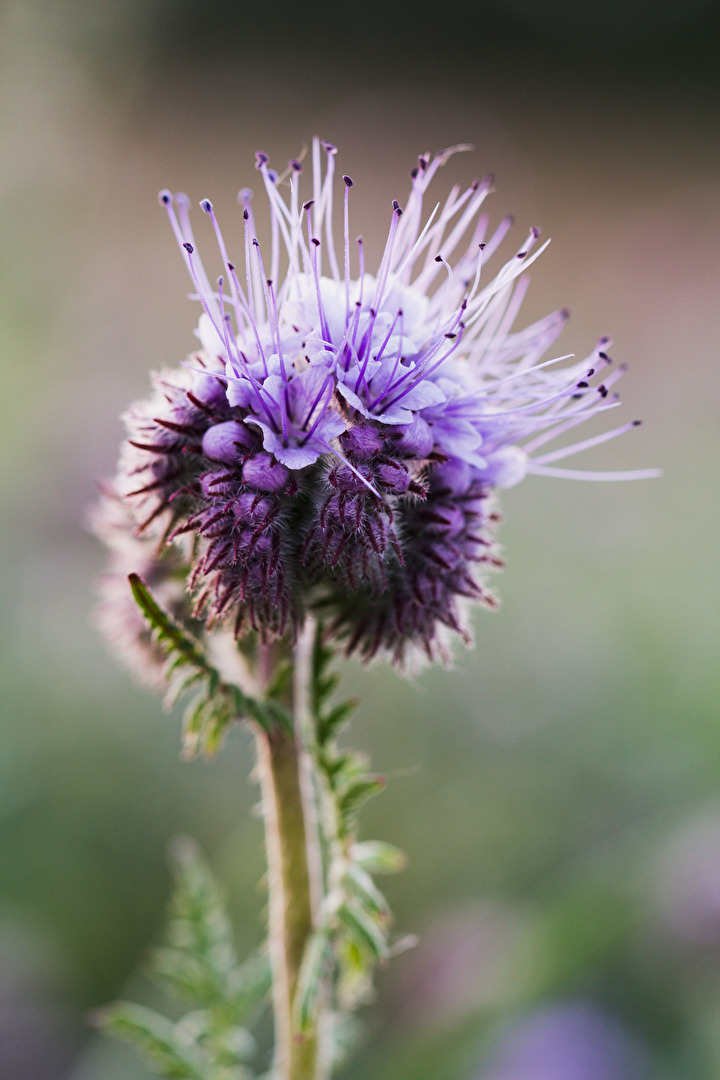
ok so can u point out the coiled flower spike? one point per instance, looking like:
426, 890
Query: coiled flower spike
336, 442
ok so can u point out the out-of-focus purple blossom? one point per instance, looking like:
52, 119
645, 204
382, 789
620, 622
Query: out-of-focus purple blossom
336, 441
568, 1041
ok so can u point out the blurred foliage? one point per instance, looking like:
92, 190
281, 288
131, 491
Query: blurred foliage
199, 968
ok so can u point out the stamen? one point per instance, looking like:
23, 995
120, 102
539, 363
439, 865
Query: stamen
346, 245
604, 477
586, 444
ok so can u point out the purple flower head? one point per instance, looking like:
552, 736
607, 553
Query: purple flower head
336, 441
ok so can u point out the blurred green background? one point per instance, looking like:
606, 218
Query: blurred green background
558, 793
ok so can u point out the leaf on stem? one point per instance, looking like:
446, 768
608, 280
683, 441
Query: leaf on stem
217, 704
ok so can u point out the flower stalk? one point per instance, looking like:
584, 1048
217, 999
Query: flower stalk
294, 882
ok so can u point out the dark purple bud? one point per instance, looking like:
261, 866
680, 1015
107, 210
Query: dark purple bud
264, 473
395, 478
207, 206
210, 390
249, 507
362, 441
416, 438
220, 442
454, 474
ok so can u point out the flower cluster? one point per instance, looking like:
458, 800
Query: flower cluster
336, 441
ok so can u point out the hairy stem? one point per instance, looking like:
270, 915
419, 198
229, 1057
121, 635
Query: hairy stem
294, 888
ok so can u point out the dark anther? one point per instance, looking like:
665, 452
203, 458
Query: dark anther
348, 181
207, 206
246, 213
188, 247
438, 258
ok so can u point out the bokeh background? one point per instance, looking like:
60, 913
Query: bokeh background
558, 793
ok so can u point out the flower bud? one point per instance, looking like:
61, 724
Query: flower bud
263, 473
227, 442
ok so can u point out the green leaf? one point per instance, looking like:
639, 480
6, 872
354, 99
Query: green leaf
217, 704
166, 628
377, 857
363, 929
317, 952
156, 1038
358, 792
359, 882
329, 725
